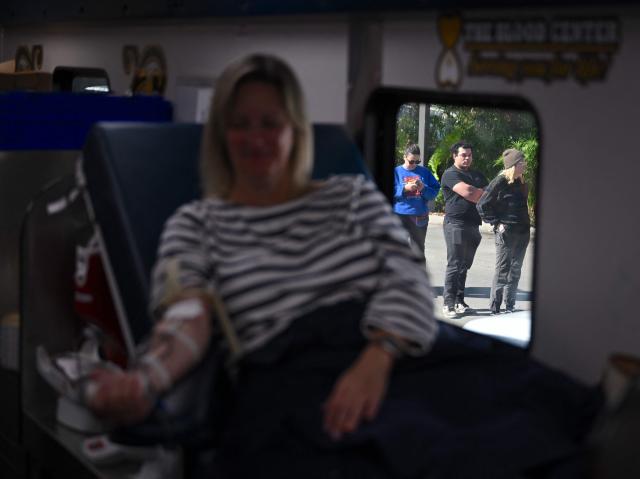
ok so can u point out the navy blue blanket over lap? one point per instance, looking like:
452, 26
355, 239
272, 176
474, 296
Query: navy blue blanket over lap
471, 408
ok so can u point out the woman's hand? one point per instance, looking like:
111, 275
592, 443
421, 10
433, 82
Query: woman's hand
119, 396
358, 392
411, 186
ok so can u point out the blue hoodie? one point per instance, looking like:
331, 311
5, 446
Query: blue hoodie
415, 202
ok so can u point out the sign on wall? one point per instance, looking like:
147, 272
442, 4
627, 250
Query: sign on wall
579, 49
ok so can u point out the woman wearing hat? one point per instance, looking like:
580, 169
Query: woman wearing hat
504, 205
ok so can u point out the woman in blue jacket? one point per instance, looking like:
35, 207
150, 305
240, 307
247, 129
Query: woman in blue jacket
415, 185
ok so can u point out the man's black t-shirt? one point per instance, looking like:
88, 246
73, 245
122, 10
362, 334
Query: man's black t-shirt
456, 208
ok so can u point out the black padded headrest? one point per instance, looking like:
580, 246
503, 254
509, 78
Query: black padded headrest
335, 153
137, 175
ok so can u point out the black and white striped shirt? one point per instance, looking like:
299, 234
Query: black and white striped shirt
271, 265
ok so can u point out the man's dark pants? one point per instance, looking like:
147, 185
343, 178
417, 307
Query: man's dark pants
462, 241
417, 234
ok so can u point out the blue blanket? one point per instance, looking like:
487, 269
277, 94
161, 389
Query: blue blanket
472, 408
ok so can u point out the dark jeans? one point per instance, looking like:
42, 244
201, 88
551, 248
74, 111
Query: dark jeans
511, 247
417, 234
462, 242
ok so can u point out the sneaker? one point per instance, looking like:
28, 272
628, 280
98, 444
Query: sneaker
448, 312
493, 310
510, 309
463, 308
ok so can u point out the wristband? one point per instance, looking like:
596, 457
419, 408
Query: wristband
391, 345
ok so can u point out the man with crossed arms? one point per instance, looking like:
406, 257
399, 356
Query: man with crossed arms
462, 188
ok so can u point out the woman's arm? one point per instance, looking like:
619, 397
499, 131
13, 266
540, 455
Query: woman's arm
401, 305
178, 342
359, 391
487, 203
180, 301
431, 187
399, 186
399, 314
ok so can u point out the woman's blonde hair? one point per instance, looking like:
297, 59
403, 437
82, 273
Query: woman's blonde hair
509, 174
216, 170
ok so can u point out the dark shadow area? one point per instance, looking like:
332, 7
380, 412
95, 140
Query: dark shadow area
470, 291
483, 292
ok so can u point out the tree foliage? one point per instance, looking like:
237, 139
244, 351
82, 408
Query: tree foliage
489, 130
406, 129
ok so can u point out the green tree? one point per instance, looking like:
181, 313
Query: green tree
407, 129
489, 130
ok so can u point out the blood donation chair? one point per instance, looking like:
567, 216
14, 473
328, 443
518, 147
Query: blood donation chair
136, 176
132, 178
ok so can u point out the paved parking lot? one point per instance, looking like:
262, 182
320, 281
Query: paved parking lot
480, 275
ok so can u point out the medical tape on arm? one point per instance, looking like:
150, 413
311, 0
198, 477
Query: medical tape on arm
176, 315
173, 350
155, 373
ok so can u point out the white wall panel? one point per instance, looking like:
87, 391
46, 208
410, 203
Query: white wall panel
316, 50
587, 277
